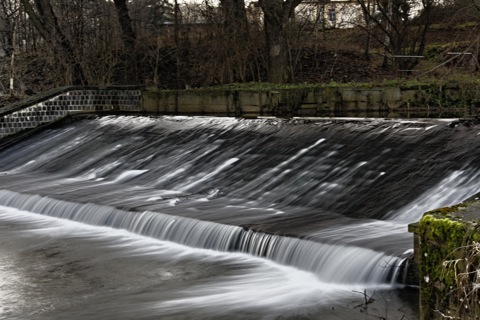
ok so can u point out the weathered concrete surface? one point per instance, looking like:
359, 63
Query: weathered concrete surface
329, 101
448, 256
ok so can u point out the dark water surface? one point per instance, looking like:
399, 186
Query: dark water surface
208, 218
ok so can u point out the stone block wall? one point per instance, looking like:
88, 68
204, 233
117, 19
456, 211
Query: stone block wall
66, 102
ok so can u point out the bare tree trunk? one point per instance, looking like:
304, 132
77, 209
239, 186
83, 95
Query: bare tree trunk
277, 14
367, 20
9, 17
236, 34
177, 48
277, 53
12, 60
388, 28
7, 20
235, 19
324, 27
125, 21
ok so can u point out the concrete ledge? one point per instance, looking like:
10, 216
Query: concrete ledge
429, 101
447, 253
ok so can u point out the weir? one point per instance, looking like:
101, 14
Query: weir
331, 197
329, 262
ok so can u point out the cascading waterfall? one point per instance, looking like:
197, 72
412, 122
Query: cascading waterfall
455, 188
329, 197
321, 259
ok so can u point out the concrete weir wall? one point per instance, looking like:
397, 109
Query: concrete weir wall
58, 103
328, 101
415, 101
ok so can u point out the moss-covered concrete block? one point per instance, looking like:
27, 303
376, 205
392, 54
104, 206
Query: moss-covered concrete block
448, 260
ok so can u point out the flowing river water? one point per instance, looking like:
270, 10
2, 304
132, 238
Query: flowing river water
221, 218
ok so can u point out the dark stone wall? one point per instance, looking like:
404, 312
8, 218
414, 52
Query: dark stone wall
46, 108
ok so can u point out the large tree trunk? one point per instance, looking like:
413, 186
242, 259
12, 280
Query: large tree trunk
235, 18
7, 28
125, 21
46, 23
129, 66
277, 14
236, 34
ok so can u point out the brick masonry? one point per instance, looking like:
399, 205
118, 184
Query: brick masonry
69, 102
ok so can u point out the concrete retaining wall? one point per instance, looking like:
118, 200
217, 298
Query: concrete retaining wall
328, 101
386, 102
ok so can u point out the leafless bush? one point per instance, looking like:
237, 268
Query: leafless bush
465, 273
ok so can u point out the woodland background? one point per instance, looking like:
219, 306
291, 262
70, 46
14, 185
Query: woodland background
178, 45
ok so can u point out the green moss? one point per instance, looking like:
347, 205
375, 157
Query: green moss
440, 236
459, 26
414, 83
446, 255
446, 212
